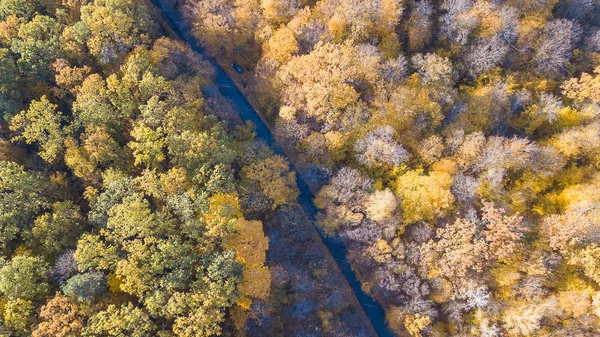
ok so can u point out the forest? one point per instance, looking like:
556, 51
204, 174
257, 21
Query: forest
451, 146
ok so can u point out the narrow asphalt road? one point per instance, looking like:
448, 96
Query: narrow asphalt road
239, 102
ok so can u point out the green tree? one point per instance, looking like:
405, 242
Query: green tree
22, 197
23, 9
115, 27
149, 145
202, 322
41, 124
55, 231
37, 45
116, 186
8, 69
93, 253
85, 287
18, 315
124, 321
93, 106
24, 277
276, 179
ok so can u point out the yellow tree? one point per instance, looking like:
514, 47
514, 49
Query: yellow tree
424, 197
586, 88
282, 45
275, 178
59, 318
251, 246
324, 82
41, 124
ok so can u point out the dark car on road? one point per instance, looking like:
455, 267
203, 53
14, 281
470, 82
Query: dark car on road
237, 68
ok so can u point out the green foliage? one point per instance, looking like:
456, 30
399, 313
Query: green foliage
55, 231
94, 106
124, 321
275, 179
24, 9
22, 196
85, 287
41, 123
37, 45
10, 73
24, 277
114, 27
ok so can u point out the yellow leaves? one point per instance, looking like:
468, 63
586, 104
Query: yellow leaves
390, 46
335, 141
287, 113
589, 260
224, 205
586, 88
69, 79
568, 116
489, 25
326, 317
9, 29
424, 197
381, 205
325, 81
174, 180
381, 251
239, 315
257, 281
250, 242
395, 318
114, 283
224, 211
251, 246
281, 45
506, 277
414, 324
337, 27
443, 293
583, 197
410, 101
275, 178
575, 303
391, 11
444, 166
17, 314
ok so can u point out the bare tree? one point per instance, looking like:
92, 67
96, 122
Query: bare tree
484, 55
65, 266
378, 148
559, 38
433, 68
592, 42
474, 295
456, 23
419, 25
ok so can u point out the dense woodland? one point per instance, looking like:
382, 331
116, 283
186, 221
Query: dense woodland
454, 145
132, 198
